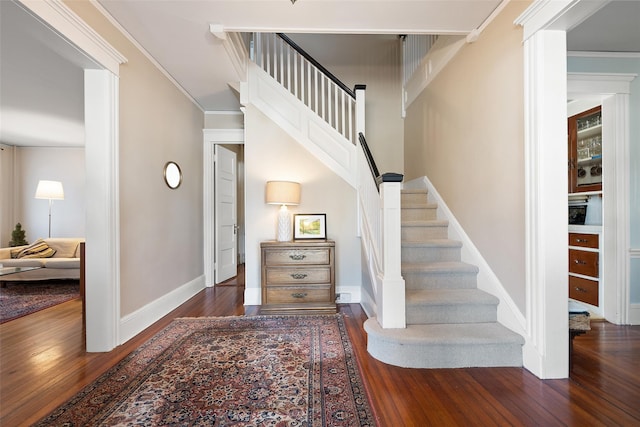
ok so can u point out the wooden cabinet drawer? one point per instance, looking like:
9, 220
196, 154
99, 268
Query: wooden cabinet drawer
298, 295
277, 276
584, 290
297, 256
584, 240
583, 262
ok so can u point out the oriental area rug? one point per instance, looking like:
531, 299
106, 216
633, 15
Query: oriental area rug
21, 298
230, 371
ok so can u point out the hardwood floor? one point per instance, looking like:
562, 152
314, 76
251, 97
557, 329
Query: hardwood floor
43, 364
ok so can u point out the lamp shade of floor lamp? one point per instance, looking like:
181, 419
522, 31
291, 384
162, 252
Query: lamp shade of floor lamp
50, 190
283, 193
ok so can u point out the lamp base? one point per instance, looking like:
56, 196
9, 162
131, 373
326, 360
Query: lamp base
284, 225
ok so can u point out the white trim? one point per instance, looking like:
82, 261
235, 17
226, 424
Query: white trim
142, 50
508, 312
355, 293
598, 85
210, 138
102, 210
556, 15
475, 34
134, 323
546, 257
616, 55
252, 296
634, 314
57, 15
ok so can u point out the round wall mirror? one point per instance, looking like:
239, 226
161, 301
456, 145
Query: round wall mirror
172, 175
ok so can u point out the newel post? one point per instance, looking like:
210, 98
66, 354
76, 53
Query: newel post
360, 98
391, 295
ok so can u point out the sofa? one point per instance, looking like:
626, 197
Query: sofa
59, 258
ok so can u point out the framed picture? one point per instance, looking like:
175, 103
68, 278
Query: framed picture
310, 226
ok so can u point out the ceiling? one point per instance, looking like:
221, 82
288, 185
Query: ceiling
41, 84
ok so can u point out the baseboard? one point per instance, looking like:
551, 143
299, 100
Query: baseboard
349, 294
508, 313
634, 314
134, 323
252, 296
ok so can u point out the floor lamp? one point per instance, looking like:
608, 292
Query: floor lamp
50, 190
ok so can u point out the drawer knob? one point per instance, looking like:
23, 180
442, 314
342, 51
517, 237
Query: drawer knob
299, 295
579, 261
583, 290
298, 276
582, 240
297, 257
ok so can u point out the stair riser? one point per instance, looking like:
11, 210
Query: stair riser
418, 214
413, 198
424, 280
429, 254
463, 313
445, 356
420, 234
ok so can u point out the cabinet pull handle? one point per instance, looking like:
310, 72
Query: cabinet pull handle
582, 240
579, 261
299, 295
297, 257
298, 276
583, 290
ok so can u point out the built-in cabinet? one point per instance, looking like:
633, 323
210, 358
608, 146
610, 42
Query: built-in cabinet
585, 151
584, 267
585, 207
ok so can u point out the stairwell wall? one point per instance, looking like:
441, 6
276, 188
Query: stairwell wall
271, 154
465, 132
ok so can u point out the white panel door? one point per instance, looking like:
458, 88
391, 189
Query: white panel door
225, 214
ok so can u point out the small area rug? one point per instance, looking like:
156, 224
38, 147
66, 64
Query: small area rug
21, 298
230, 371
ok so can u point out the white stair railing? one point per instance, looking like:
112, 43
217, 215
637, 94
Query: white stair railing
307, 80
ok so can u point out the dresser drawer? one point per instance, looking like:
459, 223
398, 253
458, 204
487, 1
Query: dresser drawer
584, 240
297, 256
583, 262
276, 276
584, 290
298, 295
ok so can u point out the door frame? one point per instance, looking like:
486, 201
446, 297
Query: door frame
211, 137
545, 82
101, 156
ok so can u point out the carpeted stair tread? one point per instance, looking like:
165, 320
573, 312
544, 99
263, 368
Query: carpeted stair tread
440, 267
431, 297
433, 243
414, 191
425, 223
450, 334
419, 205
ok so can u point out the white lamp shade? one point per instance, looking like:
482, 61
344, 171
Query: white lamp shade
282, 193
51, 190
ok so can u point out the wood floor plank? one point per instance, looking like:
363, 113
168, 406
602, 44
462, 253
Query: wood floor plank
42, 364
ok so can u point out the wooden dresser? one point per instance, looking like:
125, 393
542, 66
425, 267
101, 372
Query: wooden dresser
298, 277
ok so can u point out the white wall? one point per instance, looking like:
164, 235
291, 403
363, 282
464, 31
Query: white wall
465, 132
55, 164
270, 154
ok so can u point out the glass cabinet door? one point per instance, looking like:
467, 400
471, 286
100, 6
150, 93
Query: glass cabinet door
585, 151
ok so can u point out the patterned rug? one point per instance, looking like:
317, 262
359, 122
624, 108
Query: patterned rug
19, 299
230, 371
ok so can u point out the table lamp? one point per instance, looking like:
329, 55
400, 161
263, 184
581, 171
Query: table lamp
283, 193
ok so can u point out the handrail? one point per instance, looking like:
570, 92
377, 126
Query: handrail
369, 157
316, 64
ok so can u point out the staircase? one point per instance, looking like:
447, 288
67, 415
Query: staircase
450, 323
